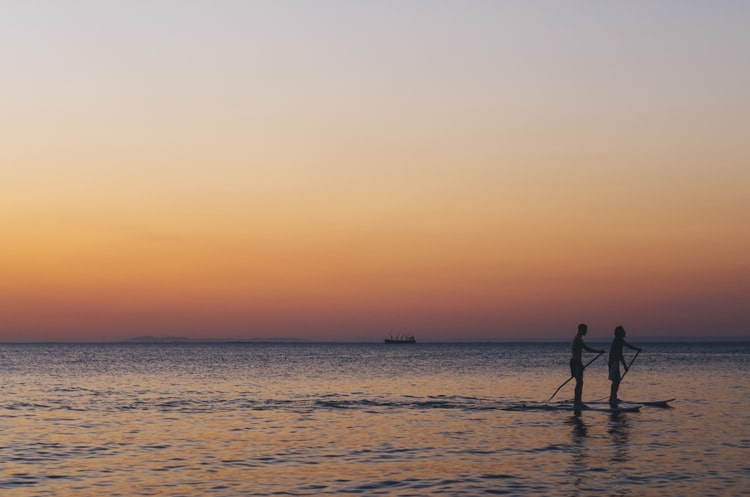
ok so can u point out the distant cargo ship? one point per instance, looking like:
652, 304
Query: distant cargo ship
401, 339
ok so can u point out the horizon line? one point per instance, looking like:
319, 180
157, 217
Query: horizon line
286, 340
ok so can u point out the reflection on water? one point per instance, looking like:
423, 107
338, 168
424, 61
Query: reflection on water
619, 432
619, 435
322, 419
592, 455
578, 453
579, 430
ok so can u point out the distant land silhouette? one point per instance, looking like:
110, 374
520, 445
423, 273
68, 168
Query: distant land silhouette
181, 339
150, 339
171, 339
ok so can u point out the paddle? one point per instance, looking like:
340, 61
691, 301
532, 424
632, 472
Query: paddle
629, 365
626, 371
566, 381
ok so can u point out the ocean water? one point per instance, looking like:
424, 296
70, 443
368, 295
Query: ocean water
227, 419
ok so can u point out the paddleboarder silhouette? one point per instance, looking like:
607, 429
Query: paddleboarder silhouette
576, 362
615, 358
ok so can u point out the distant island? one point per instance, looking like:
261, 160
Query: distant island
175, 339
152, 339
410, 339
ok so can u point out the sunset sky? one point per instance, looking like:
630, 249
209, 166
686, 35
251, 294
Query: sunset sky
345, 170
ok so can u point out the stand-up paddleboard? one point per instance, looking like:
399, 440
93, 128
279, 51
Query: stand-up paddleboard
571, 407
607, 408
645, 403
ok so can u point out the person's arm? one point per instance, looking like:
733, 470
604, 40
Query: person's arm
589, 349
631, 347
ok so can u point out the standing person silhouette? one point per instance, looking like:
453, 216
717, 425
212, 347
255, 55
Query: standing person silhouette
576, 363
615, 358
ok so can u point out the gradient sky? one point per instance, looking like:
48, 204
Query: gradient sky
342, 170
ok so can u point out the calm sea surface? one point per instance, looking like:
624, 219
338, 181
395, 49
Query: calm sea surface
366, 419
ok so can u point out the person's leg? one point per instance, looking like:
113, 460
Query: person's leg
579, 388
613, 392
614, 376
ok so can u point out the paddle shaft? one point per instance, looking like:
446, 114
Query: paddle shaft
626, 371
629, 365
571, 377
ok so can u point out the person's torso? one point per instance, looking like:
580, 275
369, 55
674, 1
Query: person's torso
577, 348
615, 351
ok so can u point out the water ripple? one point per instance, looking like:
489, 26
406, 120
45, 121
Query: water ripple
300, 420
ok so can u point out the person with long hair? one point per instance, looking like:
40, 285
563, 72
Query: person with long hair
615, 358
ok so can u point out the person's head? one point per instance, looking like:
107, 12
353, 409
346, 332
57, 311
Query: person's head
620, 332
582, 329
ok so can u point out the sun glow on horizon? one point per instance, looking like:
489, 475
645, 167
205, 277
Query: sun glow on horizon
485, 172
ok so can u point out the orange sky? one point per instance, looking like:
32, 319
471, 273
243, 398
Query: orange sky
343, 172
